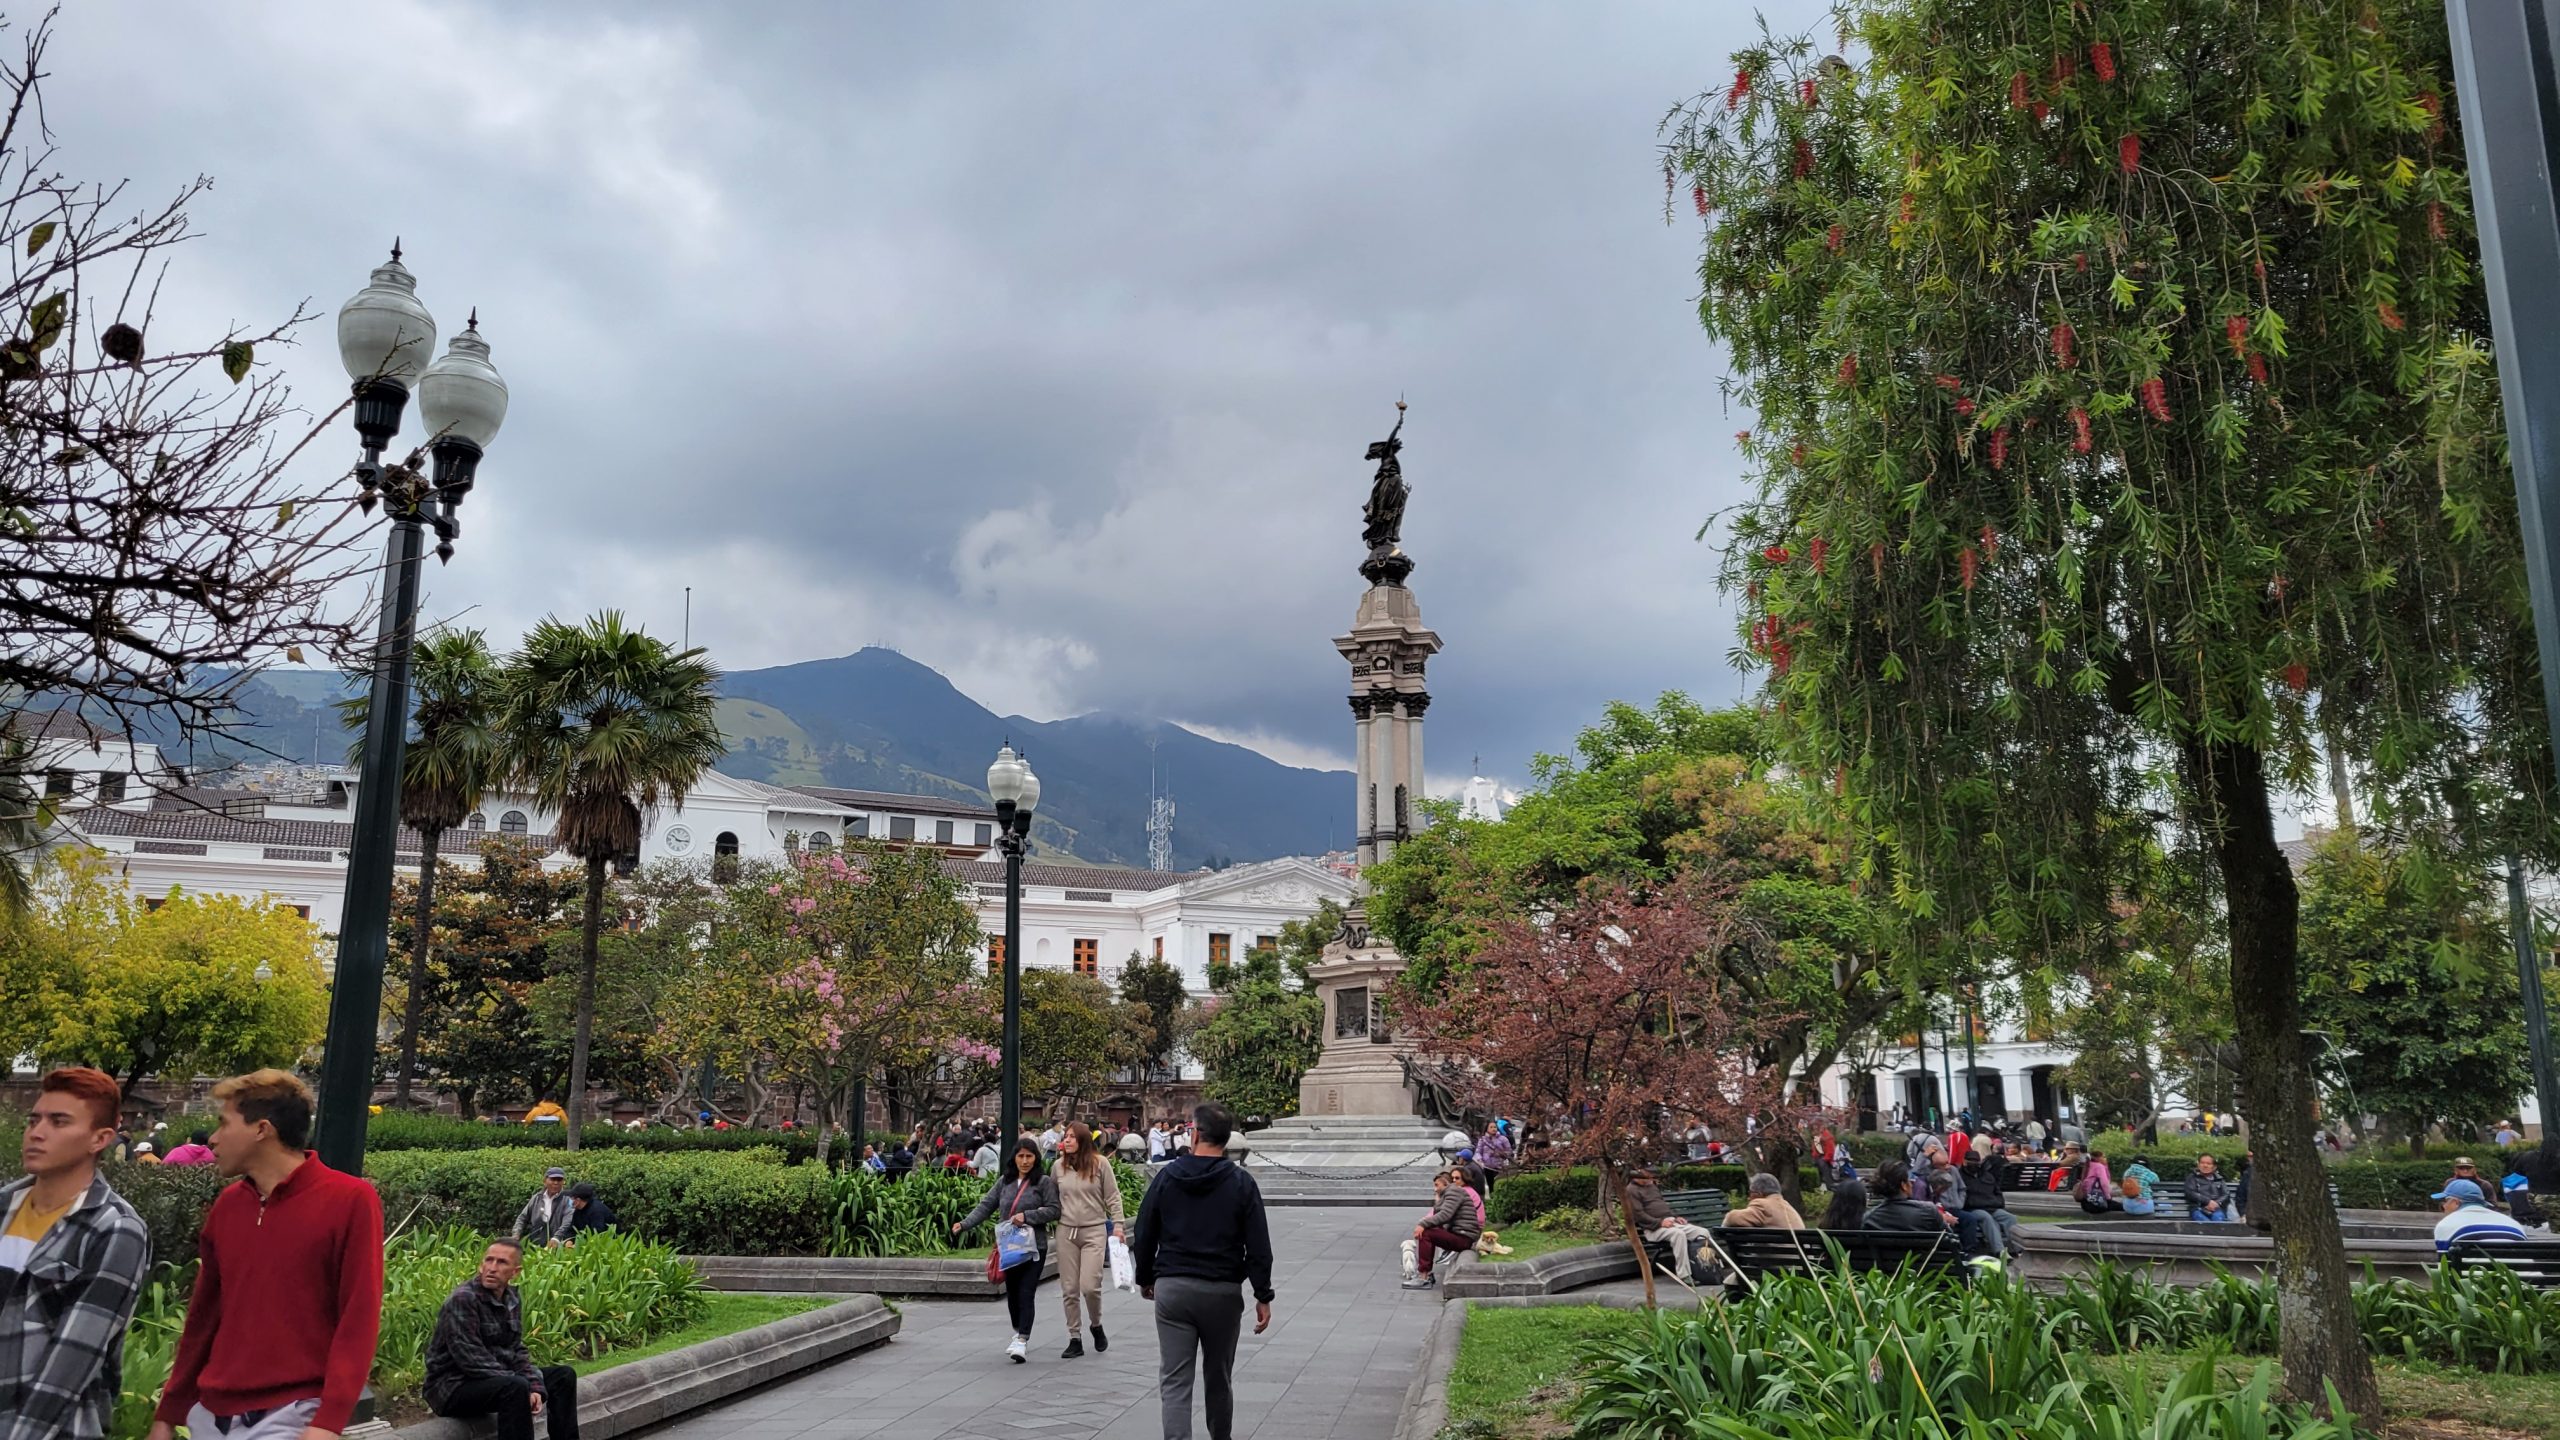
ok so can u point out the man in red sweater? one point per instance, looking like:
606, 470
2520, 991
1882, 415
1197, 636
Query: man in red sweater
288, 1298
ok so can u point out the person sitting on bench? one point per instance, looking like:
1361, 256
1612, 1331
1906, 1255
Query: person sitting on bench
1897, 1209
1768, 1208
1680, 1243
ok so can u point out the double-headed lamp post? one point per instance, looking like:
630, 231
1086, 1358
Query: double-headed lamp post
385, 338
1016, 792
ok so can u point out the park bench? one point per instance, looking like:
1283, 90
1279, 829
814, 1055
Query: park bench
2535, 1262
2026, 1174
1754, 1253
1698, 1207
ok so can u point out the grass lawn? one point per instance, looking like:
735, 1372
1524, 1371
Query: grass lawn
723, 1313
1528, 1244
1512, 1363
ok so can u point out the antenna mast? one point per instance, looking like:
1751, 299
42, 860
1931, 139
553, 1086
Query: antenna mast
1159, 815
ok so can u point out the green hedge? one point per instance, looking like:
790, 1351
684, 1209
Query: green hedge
742, 1203
1522, 1197
393, 1130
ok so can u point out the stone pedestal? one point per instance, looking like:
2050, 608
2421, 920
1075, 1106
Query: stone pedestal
1388, 650
1362, 1069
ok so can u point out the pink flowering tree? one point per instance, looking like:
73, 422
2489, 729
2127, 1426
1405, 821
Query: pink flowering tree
870, 953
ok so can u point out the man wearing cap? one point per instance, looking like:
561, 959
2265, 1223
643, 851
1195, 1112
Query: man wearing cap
2469, 1217
544, 1220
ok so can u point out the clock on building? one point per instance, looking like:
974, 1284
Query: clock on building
679, 839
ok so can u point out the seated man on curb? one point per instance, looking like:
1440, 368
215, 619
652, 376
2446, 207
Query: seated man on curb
1452, 1225
476, 1360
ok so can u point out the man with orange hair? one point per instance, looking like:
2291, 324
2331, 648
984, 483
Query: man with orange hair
288, 1298
72, 1258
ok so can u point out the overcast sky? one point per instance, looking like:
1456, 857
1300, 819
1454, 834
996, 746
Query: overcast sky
1040, 342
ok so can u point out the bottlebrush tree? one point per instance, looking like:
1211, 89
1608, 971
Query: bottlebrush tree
2126, 434
1608, 1025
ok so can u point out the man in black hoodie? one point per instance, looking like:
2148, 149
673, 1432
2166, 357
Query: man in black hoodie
1201, 1233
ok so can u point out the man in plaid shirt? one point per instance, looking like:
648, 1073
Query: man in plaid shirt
72, 1258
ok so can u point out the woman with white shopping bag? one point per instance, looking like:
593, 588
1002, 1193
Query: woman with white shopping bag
1025, 1204
1089, 1220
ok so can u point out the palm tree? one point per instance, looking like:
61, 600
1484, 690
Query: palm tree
599, 720
449, 760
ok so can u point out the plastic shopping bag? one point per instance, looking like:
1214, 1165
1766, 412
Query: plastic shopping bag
1015, 1244
1124, 1266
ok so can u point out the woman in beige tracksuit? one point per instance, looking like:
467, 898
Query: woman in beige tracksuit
1088, 1214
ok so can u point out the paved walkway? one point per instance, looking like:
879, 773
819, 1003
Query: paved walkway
1341, 1349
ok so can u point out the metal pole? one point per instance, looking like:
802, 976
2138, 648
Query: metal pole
2537, 1018
2503, 70
1947, 1071
1972, 1062
364, 931
1009, 1112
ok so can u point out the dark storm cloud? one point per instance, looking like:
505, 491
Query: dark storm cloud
1041, 342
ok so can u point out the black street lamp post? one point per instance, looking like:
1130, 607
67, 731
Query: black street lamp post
385, 337
2506, 66
1016, 792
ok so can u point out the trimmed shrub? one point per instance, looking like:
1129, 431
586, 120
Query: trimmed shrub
1522, 1197
396, 1130
742, 1203
172, 1200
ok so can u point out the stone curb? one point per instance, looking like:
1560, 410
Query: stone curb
873, 1275
1426, 1399
648, 1392
1547, 1274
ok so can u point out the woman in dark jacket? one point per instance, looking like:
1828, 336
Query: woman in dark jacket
1898, 1209
1027, 1196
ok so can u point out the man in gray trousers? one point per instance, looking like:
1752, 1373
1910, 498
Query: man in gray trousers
1201, 1233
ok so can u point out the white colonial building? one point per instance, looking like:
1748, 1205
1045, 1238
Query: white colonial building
289, 842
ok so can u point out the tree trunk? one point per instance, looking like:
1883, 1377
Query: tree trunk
1609, 1177
415, 1012
2321, 1342
577, 1098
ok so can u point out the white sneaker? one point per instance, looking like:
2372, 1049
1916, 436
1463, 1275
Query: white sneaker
1020, 1350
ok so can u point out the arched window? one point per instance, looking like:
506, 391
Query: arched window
821, 840
724, 856
477, 821
512, 823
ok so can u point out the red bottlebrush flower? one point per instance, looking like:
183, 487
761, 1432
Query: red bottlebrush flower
2297, 677
1781, 655
1811, 93
1990, 544
1964, 407
1699, 194
1815, 551
1775, 555
1967, 562
2102, 61
1804, 157
2235, 328
1849, 368
2390, 317
2066, 348
1796, 452
2279, 585
1999, 446
2435, 220
2080, 442
2433, 104
1875, 560
2080, 261
1838, 237
1949, 383
2129, 153
2040, 110
1910, 206
2155, 399
2019, 98
1741, 87
2258, 368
